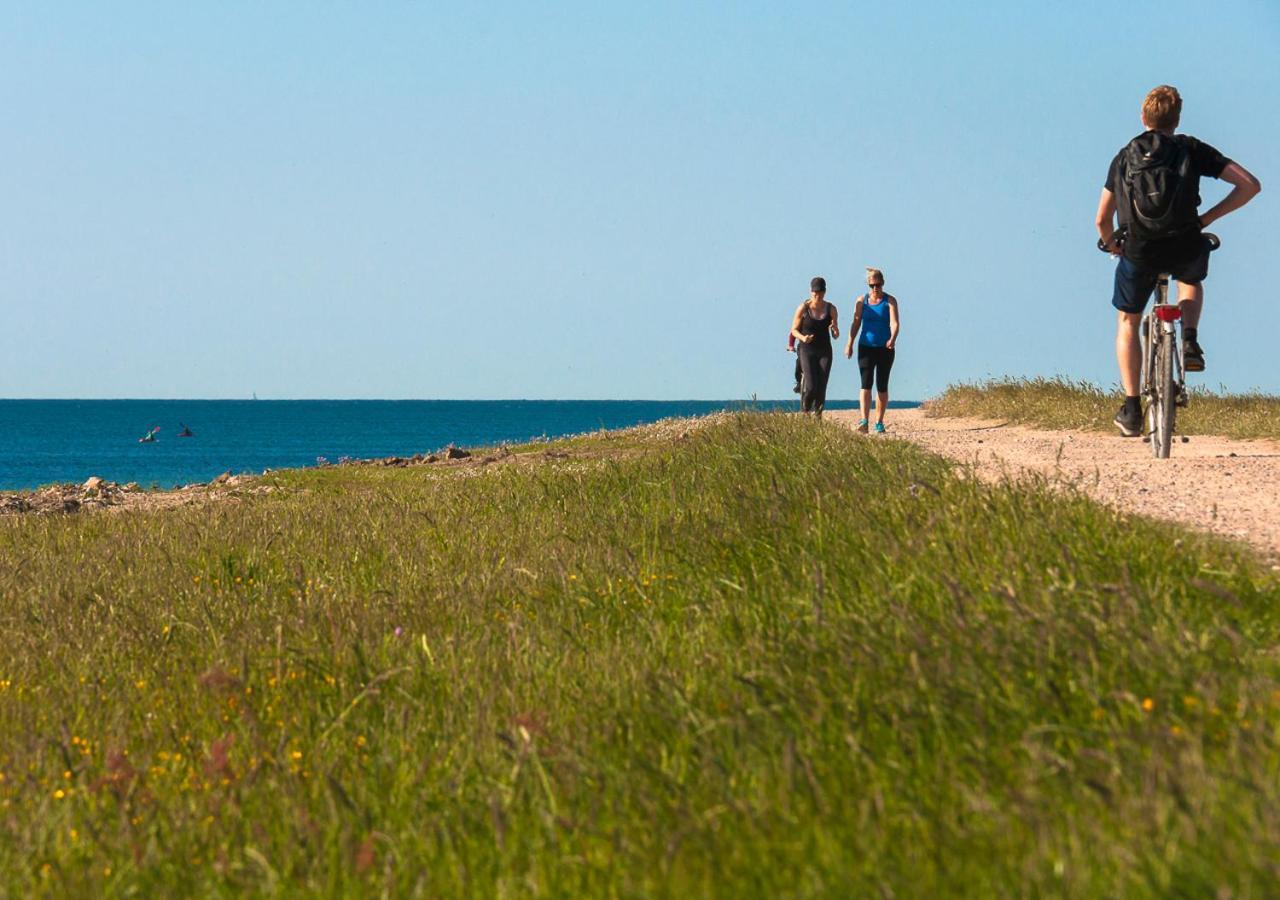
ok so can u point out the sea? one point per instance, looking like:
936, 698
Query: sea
48, 441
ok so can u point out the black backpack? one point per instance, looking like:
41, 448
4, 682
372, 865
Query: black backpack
1158, 191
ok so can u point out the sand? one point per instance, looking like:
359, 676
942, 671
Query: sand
1227, 487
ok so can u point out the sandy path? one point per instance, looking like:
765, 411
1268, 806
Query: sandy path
1231, 488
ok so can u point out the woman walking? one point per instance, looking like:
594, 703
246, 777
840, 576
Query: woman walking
877, 314
814, 325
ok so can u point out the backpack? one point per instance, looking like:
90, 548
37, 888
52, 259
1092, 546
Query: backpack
1158, 191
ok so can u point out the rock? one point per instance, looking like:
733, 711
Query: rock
418, 457
452, 452
221, 479
70, 505
395, 461
93, 485
432, 458
132, 487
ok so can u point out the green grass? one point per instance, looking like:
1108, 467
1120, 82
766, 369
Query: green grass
764, 659
1079, 405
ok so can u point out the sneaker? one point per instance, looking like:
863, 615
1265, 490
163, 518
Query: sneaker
1129, 423
862, 426
1192, 357
879, 428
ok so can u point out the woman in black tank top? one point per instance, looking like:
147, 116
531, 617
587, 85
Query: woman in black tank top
814, 325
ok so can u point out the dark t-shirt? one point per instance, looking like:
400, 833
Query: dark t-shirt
1165, 252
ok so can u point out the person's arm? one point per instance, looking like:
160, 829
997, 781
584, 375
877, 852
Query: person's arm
795, 326
835, 328
1105, 220
893, 323
853, 329
1244, 188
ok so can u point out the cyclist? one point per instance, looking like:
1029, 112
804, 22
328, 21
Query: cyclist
1153, 184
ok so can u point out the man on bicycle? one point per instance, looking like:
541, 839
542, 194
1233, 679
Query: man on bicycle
1154, 185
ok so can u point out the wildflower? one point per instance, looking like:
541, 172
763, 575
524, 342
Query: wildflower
1190, 702
1175, 731
399, 631
296, 755
59, 794
1148, 704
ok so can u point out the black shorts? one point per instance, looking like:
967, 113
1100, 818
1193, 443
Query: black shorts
1135, 281
874, 364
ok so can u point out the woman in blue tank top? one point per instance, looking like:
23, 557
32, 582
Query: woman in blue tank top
876, 313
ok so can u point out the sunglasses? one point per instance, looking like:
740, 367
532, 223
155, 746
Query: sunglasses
875, 284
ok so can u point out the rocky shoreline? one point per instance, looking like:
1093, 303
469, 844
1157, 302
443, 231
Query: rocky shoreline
98, 493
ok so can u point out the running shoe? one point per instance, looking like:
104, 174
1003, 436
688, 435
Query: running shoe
1129, 423
1192, 357
879, 428
862, 426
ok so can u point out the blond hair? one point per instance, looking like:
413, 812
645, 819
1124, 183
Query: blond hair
874, 275
1162, 109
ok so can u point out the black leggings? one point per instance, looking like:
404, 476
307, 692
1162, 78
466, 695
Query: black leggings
816, 363
875, 362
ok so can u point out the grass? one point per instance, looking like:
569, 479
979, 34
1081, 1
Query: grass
1079, 405
763, 659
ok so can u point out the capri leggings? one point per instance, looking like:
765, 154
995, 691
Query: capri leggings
874, 364
815, 360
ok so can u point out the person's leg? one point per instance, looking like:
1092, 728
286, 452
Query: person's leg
866, 372
1129, 351
806, 368
822, 372
799, 373
1133, 287
1191, 276
883, 367
1191, 301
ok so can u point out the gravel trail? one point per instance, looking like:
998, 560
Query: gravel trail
1228, 487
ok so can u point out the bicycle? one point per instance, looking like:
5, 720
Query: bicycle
1163, 381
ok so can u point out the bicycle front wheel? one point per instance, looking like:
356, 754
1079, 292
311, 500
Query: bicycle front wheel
1163, 407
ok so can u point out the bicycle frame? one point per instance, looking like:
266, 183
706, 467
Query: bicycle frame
1164, 390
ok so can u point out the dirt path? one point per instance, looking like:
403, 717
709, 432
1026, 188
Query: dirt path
1231, 488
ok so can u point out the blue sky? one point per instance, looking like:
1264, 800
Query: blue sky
406, 199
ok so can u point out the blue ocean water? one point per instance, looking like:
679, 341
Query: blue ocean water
45, 441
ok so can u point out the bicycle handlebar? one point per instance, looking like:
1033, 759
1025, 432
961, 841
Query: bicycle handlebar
1121, 233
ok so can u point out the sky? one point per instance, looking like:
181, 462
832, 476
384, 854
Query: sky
583, 200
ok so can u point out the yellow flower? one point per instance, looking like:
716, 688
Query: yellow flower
296, 754
1190, 702
1148, 704
59, 794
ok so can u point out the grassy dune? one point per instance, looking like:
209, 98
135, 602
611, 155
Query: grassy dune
1079, 405
768, 658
